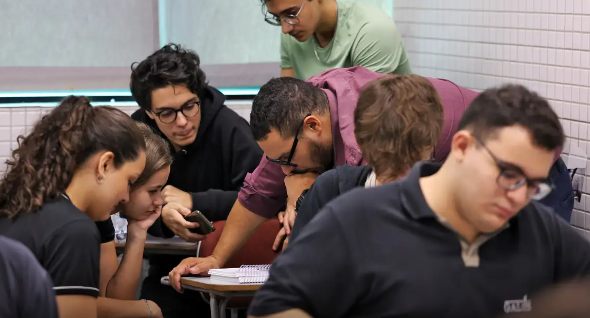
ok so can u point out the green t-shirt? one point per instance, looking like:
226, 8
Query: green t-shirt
365, 36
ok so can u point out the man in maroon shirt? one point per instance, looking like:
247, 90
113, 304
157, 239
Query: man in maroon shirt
305, 128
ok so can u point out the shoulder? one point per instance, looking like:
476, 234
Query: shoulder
379, 200
15, 254
370, 19
540, 219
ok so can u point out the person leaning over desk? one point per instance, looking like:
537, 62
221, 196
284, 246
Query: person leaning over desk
213, 151
303, 132
465, 238
397, 122
319, 35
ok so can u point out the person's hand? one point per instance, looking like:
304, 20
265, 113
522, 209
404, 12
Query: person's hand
173, 216
295, 185
281, 237
191, 265
156, 312
144, 224
171, 194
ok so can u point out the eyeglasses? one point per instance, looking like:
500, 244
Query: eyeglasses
169, 115
293, 147
512, 177
291, 19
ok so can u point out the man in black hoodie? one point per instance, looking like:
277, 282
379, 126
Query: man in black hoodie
214, 150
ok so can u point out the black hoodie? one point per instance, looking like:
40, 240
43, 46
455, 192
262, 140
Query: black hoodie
212, 168
327, 187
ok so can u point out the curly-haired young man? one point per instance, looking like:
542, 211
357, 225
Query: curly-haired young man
214, 150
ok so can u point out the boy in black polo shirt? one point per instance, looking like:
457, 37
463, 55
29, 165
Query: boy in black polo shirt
465, 239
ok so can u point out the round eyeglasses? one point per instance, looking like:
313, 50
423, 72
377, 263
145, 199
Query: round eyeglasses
291, 19
169, 115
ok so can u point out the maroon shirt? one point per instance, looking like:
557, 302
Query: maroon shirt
264, 191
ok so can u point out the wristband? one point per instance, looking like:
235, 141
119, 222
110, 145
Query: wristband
149, 308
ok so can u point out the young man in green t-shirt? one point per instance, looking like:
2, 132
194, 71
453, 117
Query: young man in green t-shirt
322, 34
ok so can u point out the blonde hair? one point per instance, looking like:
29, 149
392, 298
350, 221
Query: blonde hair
157, 152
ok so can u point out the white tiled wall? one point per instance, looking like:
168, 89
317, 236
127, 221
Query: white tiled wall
543, 44
18, 121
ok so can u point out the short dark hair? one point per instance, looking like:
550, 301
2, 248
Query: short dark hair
511, 105
396, 119
282, 104
170, 65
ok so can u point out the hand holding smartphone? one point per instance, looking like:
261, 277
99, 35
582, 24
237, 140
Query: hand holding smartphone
205, 226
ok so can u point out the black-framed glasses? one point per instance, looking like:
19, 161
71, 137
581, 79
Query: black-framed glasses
293, 147
291, 19
169, 115
512, 177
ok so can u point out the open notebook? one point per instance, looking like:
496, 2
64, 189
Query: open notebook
245, 274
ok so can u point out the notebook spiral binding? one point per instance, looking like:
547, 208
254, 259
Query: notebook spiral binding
254, 270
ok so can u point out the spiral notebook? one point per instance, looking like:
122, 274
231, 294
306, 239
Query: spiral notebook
245, 274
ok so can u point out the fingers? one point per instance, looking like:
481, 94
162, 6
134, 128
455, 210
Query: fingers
176, 273
286, 242
281, 217
280, 236
287, 228
182, 210
291, 218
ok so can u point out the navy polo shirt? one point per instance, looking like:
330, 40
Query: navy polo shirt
26, 290
382, 252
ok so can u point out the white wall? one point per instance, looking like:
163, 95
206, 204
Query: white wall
543, 44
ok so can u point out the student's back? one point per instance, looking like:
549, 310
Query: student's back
25, 288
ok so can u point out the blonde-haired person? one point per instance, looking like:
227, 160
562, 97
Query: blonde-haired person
118, 283
398, 120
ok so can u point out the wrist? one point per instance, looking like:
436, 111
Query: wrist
217, 259
134, 232
149, 308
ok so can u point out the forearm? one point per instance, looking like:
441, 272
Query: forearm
116, 308
241, 224
123, 284
291, 313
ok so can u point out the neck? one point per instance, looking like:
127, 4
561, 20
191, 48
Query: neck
440, 198
326, 28
77, 193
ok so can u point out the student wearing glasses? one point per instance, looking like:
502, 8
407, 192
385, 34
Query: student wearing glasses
305, 128
465, 238
213, 151
319, 35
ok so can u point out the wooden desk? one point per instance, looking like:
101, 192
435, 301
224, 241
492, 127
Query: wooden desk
224, 290
171, 246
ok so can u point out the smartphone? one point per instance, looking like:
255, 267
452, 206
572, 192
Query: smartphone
205, 227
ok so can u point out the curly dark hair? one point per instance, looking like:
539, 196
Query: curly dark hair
45, 161
170, 65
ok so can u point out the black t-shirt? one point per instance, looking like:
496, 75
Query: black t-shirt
403, 261
64, 241
26, 290
327, 187
106, 230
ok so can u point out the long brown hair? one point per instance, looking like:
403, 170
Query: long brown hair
45, 161
157, 155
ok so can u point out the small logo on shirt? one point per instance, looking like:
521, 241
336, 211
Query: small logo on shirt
519, 305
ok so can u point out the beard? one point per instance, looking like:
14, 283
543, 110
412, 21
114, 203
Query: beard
322, 155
